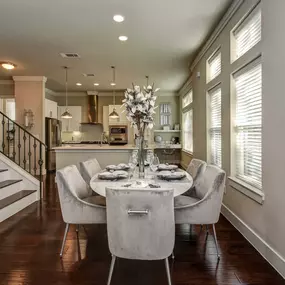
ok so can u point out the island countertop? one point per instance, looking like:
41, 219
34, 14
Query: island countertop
104, 147
105, 154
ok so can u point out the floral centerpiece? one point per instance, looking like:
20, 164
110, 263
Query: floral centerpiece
140, 109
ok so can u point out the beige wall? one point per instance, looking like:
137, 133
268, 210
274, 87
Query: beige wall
30, 94
264, 223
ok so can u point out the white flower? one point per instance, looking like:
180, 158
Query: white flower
156, 89
137, 88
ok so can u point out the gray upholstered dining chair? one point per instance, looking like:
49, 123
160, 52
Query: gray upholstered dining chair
89, 168
140, 225
77, 206
196, 168
206, 207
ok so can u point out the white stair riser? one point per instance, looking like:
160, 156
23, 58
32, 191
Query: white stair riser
4, 175
11, 189
14, 208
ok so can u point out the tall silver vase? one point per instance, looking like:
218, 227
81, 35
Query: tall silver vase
141, 156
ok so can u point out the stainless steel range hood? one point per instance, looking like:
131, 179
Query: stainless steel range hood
92, 108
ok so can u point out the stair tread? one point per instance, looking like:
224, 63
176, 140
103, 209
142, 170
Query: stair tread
15, 197
3, 170
9, 182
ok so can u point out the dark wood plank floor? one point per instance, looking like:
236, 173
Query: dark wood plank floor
30, 244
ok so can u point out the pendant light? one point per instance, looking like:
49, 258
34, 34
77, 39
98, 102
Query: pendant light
66, 114
114, 114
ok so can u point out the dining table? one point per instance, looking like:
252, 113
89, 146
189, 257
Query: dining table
151, 180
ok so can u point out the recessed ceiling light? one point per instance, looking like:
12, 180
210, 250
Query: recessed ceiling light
96, 84
78, 84
8, 65
118, 18
113, 83
123, 38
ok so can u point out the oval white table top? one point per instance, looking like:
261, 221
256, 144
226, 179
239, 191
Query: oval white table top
179, 186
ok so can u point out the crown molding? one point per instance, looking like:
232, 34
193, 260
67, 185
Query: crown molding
30, 79
50, 92
218, 30
6, 82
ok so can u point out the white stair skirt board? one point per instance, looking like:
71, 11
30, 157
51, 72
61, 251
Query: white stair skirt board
11, 189
5, 175
270, 254
16, 172
17, 206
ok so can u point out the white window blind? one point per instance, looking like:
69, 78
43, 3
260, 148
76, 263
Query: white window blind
214, 66
165, 114
187, 120
248, 34
248, 124
187, 99
215, 120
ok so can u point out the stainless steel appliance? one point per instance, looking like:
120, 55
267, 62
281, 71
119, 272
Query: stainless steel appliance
118, 134
53, 139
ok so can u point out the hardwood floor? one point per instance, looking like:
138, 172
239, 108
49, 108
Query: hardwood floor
31, 240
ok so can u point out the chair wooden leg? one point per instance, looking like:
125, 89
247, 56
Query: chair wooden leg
111, 269
64, 239
167, 271
216, 241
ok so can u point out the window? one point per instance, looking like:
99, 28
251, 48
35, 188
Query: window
165, 114
215, 134
214, 65
187, 99
248, 124
187, 120
247, 34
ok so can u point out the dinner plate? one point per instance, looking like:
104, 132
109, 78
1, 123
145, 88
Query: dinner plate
121, 166
167, 167
168, 175
118, 174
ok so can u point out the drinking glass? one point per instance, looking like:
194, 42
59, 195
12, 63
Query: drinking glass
154, 164
133, 161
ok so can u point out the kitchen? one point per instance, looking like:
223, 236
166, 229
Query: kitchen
87, 133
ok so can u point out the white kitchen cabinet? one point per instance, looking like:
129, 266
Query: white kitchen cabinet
50, 109
73, 124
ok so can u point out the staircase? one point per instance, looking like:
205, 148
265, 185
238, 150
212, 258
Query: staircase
21, 167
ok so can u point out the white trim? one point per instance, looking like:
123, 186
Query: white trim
50, 92
18, 169
225, 20
268, 252
246, 189
30, 79
6, 82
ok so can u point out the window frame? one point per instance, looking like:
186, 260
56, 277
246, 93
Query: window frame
211, 58
185, 109
242, 23
209, 129
247, 188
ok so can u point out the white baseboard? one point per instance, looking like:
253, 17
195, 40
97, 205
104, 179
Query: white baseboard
270, 254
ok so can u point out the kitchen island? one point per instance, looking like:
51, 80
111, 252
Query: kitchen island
105, 154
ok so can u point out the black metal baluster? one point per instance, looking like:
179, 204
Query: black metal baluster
14, 142
24, 161
30, 154
19, 145
8, 138
35, 157
41, 172
3, 133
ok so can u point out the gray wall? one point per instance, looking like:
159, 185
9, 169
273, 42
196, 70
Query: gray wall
264, 224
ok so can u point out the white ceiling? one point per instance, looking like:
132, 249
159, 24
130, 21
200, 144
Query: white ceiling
164, 35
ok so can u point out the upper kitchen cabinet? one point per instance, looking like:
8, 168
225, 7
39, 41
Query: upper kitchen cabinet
73, 124
50, 109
